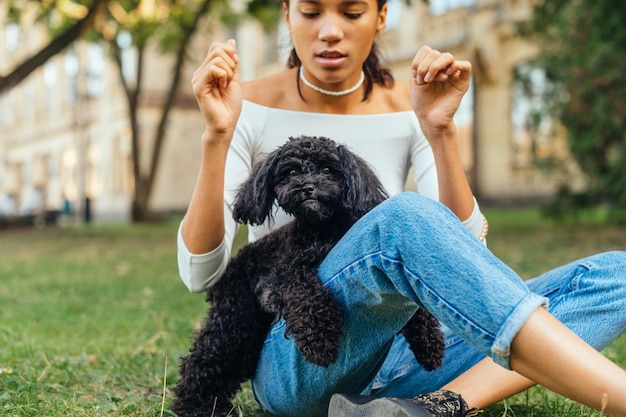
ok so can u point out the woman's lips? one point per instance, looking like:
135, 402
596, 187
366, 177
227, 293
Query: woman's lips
330, 60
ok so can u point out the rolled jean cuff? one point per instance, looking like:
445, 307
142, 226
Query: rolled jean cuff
501, 348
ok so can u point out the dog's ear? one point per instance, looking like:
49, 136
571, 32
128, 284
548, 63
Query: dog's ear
255, 197
364, 190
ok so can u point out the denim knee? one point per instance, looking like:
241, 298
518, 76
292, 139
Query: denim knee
588, 296
612, 260
607, 271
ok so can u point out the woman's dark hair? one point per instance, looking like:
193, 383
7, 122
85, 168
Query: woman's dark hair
374, 72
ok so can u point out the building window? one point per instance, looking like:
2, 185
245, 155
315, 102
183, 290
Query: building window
96, 65
12, 36
270, 48
464, 119
50, 82
7, 104
72, 68
69, 175
40, 172
14, 180
129, 56
30, 96
93, 179
394, 7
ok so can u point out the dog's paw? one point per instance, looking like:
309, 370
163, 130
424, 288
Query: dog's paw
323, 359
316, 327
321, 352
426, 341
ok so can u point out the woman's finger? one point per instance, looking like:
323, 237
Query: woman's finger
430, 64
218, 68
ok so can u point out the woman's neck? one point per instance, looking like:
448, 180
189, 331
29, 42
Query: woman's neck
281, 91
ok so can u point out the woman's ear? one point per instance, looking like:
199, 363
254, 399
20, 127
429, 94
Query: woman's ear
286, 15
382, 19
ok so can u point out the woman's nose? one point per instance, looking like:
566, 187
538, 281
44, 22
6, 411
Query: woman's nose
330, 29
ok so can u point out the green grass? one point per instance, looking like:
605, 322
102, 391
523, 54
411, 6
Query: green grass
94, 319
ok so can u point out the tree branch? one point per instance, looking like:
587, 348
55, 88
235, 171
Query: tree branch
54, 47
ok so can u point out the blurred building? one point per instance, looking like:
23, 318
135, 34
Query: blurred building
65, 136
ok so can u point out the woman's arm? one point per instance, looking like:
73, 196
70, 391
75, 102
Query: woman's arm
203, 250
217, 88
438, 84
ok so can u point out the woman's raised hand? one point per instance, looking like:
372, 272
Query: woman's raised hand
438, 83
217, 88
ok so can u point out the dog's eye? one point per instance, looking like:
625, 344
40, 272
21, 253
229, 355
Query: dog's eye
293, 172
326, 171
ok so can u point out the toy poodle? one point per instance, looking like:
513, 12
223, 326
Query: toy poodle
326, 188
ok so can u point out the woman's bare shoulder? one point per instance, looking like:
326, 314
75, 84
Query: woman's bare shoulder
271, 91
396, 98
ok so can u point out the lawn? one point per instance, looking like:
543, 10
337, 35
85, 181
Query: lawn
93, 319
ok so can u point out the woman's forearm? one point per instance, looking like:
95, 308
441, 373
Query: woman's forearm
203, 226
454, 189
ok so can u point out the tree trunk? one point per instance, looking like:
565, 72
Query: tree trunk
144, 186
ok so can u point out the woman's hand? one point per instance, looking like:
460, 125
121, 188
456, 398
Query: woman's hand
438, 83
217, 88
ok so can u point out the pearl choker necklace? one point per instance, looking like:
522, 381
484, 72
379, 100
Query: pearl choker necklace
330, 92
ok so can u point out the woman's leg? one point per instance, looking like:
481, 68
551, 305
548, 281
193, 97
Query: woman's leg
588, 296
406, 253
544, 350
549, 353
486, 383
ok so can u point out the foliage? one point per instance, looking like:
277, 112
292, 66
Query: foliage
267, 12
145, 20
583, 53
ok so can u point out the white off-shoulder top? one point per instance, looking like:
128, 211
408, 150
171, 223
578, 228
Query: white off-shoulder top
391, 143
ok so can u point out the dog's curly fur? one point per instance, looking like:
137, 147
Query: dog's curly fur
327, 189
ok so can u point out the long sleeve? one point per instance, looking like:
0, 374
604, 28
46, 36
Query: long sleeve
200, 271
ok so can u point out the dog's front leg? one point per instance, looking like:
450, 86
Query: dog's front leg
313, 317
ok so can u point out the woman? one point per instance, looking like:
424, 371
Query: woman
410, 252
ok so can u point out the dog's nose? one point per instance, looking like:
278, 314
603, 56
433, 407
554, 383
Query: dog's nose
308, 188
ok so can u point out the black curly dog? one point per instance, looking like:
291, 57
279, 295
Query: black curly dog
327, 189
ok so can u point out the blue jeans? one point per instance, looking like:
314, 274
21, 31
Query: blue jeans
411, 252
